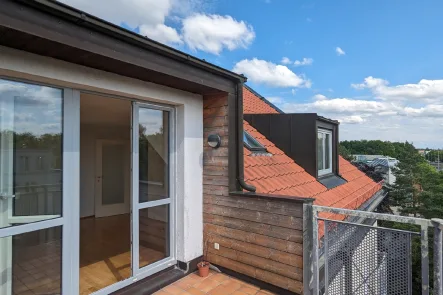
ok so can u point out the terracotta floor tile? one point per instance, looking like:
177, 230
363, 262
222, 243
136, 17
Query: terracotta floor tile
194, 291
207, 285
219, 277
214, 284
249, 290
184, 284
174, 290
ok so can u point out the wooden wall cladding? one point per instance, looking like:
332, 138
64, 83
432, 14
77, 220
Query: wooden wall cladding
258, 237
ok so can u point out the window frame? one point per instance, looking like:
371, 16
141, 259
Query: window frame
249, 137
322, 172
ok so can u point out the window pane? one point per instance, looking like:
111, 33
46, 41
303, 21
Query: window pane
30, 152
31, 263
153, 155
251, 142
154, 234
327, 151
320, 151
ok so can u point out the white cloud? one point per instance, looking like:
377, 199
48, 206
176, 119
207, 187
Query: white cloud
286, 61
429, 91
199, 31
429, 111
275, 99
270, 74
339, 51
352, 120
132, 12
213, 33
306, 61
161, 33
319, 97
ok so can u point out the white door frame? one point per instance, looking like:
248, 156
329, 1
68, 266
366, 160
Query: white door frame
171, 201
114, 209
70, 219
70, 194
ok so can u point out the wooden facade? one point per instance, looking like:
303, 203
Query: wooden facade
258, 236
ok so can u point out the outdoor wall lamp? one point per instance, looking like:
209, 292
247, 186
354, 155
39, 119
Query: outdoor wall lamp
214, 141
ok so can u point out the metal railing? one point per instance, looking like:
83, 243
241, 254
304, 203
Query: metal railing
350, 252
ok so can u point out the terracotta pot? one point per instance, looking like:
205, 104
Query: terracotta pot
203, 269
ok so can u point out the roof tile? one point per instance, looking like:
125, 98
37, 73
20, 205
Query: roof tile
276, 173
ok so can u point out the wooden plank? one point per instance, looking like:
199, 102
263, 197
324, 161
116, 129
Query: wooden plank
265, 252
250, 215
232, 264
253, 238
261, 263
263, 275
259, 228
271, 206
285, 283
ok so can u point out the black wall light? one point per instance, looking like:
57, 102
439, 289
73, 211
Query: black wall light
214, 141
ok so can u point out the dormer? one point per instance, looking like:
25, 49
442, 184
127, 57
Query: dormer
310, 140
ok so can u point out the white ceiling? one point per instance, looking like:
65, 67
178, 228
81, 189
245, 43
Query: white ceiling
101, 110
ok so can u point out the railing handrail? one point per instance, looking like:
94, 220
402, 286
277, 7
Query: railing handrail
372, 215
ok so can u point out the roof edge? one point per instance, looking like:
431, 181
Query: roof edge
273, 197
264, 99
83, 18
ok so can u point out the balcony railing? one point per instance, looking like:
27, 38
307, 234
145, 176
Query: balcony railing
359, 252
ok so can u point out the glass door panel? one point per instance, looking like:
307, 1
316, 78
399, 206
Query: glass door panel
152, 198
31, 149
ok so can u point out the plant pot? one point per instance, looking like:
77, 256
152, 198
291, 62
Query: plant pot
203, 269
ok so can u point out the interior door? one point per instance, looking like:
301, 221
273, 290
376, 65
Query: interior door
153, 188
112, 194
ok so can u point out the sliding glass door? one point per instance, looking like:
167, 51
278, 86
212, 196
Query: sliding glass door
153, 188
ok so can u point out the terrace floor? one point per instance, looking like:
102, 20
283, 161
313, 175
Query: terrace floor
214, 284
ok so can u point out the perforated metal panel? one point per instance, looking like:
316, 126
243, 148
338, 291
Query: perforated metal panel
361, 259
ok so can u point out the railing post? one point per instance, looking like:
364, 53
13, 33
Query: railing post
438, 256
310, 251
424, 260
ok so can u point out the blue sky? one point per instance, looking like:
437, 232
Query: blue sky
374, 65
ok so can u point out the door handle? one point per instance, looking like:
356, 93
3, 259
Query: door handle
5, 197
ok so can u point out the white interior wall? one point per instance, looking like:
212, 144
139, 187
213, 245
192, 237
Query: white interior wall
89, 134
189, 182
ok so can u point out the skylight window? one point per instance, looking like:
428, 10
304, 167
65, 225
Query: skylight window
252, 144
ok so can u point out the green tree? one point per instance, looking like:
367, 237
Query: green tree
345, 153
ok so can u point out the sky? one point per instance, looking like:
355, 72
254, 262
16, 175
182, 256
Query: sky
376, 66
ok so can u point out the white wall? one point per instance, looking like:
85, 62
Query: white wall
189, 192
89, 134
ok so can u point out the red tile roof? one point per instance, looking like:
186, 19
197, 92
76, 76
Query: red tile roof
276, 173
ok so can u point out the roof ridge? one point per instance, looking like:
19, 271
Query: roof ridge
264, 99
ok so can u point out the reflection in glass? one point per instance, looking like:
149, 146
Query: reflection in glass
30, 152
327, 148
154, 234
31, 263
153, 155
320, 151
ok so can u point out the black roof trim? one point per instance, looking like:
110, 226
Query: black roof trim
85, 19
264, 99
324, 119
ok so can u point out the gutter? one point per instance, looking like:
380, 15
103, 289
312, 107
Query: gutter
239, 148
84, 19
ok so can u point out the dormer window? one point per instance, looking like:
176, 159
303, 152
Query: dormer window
252, 144
324, 151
